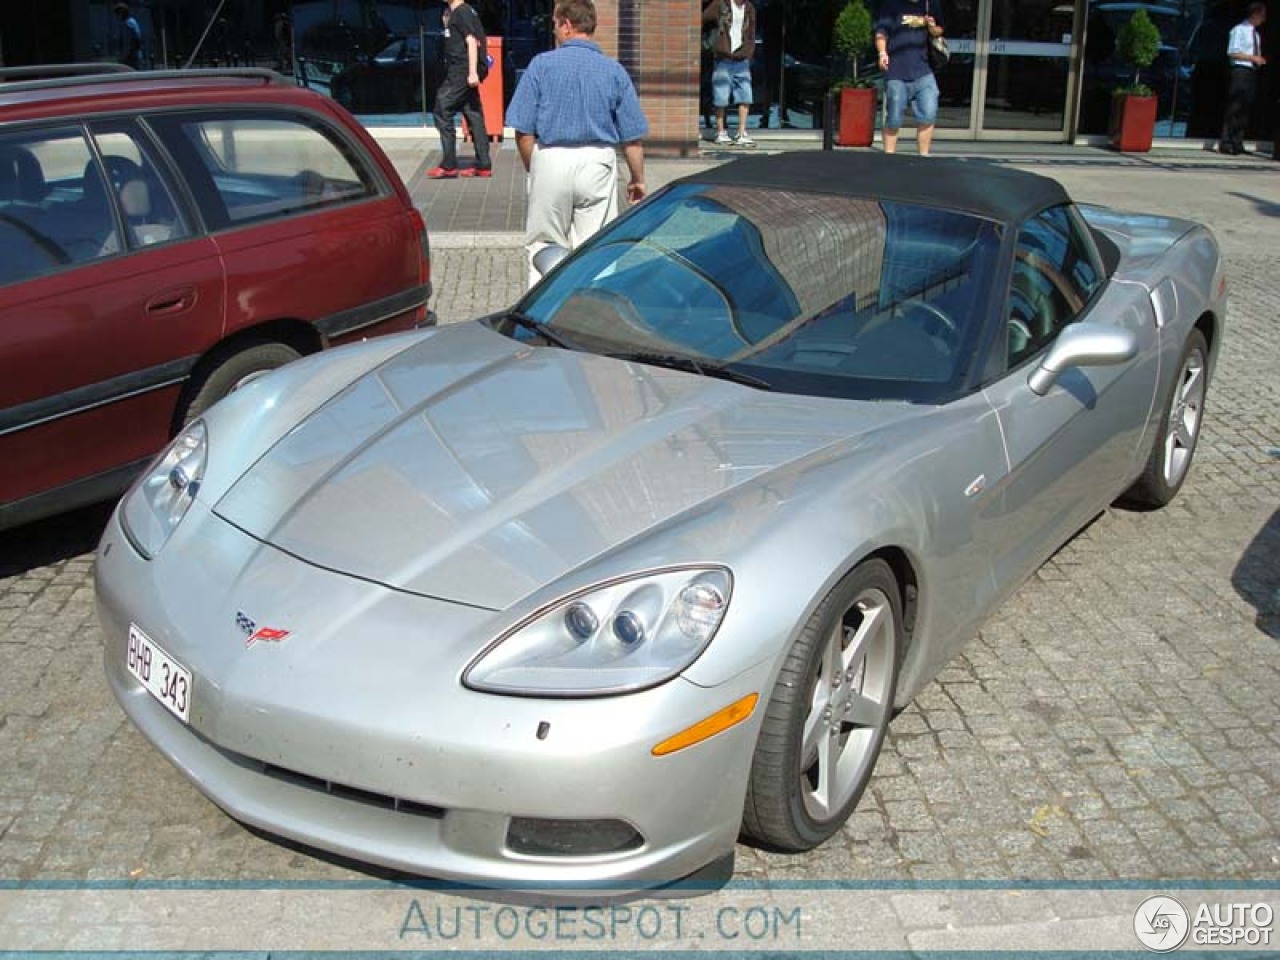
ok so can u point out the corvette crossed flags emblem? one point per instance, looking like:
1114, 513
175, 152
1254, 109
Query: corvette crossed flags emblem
253, 633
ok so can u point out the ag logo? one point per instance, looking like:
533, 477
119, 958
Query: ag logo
1161, 924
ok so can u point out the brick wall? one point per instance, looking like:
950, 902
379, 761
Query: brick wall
658, 41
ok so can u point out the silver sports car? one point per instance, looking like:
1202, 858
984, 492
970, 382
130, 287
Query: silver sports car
580, 592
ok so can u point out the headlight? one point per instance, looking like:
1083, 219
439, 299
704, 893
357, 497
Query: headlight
616, 638
158, 502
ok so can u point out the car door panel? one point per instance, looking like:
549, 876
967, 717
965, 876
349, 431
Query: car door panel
1071, 451
304, 221
96, 351
101, 371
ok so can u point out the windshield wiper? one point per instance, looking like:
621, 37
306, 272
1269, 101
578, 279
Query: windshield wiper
537, 326
678, 362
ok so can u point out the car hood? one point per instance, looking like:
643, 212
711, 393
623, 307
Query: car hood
476, 469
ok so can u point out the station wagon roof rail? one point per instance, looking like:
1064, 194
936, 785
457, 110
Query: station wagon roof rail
55, 70
234, 73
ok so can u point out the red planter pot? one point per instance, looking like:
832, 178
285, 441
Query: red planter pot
1133, 122
857, 126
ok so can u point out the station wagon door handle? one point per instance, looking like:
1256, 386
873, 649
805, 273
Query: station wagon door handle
172, 301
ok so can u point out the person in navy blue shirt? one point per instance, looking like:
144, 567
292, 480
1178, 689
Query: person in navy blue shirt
903, 30
571, 111
131, 37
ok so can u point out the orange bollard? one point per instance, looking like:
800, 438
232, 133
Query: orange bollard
491, 96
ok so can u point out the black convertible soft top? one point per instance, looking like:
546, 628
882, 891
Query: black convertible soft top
979, 187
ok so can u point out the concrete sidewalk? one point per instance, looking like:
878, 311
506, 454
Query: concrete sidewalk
471, 212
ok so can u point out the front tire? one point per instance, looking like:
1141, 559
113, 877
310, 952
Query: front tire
1175, 443
828, 714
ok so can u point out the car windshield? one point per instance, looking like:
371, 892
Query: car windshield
810, 293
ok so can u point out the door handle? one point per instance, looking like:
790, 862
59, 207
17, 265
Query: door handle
172, 301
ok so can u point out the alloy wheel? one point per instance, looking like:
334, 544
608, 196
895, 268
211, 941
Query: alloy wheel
1184, 419
849, 706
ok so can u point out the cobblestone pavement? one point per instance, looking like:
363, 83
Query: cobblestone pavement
1116, 719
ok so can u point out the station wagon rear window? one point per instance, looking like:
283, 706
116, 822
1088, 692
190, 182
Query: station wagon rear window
259, 167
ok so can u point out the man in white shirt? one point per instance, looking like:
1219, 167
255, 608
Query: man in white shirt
1244, 51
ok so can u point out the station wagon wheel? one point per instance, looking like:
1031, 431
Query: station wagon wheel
1175, 441
232, 370
828, 714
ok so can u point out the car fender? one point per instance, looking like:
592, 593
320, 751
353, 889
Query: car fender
249, 422
789, 536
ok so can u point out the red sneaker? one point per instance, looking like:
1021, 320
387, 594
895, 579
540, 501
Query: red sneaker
442, 173
484, 172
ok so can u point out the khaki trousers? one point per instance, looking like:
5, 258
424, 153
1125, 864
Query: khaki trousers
573, 192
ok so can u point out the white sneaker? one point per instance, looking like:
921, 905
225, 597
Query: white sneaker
742, 140
723, 139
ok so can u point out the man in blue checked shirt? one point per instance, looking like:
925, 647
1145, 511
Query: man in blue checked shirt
572, 109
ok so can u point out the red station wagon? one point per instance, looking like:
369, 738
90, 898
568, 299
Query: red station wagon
164, 237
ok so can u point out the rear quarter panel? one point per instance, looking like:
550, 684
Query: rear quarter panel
313, 265
1179, 265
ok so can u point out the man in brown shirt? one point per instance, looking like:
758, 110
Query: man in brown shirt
735, 44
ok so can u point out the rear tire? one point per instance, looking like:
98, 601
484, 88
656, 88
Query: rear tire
828, 714
1175, 442
232, 371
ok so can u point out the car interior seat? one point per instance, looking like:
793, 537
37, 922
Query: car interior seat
136, 203
21, 177
95, 206
1030, 317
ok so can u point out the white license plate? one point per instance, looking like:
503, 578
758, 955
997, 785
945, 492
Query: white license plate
164, 677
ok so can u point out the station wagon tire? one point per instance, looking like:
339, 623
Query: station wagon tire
828, 713
1175, 442
233, 371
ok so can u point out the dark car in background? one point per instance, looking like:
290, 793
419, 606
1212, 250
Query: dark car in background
166, 238
403, 76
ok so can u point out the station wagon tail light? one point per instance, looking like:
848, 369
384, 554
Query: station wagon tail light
161, 498
618, 637
424, 246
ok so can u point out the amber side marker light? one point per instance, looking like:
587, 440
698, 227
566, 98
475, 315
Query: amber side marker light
719, 721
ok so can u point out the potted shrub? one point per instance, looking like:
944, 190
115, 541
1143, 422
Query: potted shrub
1133, 107
856, 96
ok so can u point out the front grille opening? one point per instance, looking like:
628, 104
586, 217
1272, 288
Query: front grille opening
534, 836
366, 797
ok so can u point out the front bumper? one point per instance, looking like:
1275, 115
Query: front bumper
355, 736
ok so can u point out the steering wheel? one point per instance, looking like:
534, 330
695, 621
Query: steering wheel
46, 246
929, 318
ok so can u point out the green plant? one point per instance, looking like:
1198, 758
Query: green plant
1138, 44
852, 38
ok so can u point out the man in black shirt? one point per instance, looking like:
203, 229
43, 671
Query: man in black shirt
465, 65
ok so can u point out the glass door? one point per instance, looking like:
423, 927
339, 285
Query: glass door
1027, 71
963, 20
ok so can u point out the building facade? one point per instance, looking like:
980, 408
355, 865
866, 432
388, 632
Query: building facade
1020, 70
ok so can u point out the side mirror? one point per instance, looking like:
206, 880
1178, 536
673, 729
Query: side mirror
1082, 345
545, 260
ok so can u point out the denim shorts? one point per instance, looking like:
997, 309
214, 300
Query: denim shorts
922, 94
731, 76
